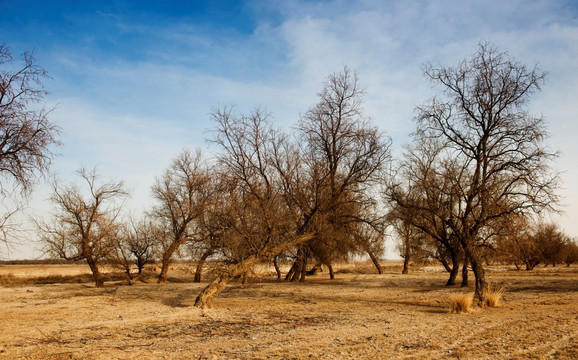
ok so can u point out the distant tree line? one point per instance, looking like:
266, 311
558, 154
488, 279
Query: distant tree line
463, 193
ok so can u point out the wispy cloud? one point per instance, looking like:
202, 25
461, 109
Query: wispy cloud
135, 86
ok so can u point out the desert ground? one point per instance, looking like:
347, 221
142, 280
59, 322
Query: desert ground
359, 315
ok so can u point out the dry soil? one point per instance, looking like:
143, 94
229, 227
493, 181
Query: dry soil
359, 315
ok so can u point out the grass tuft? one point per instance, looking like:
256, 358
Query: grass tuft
461, 303
493, 297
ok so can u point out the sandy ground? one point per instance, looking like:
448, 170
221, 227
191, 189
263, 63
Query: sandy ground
355, 316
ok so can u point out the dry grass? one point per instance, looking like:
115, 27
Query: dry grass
8, 279
11, 280
493, 296
355, 316
461, 303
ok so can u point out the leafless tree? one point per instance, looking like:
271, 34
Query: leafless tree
421, 194
290, 196
570, 252
180, 195
498, 147
256, 216
135, 246
84, 223
26, 135
549, 240
347, 153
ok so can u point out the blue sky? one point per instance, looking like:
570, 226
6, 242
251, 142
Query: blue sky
134, 81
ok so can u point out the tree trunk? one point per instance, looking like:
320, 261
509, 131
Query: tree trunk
297, 272
405, 265
303, 269
480, 280
167, 260
444, 262
454, 271
96, 275
291, 271
375, 261
300, 266
277, 269
199, 270
205, 298
465, 271
330, 269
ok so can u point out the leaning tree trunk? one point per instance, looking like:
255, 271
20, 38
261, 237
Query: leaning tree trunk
454, 271
445, 264
166, 260
208, 294
199, 270
375, 261
291, 271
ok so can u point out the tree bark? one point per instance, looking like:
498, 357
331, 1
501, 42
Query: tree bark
303, 269
291, 271
96, 275
215, 287
480, 281
444, 262
199, 270
330, 269
454, 271
167, 260
277, 269
405, 265
465, 271
375, 261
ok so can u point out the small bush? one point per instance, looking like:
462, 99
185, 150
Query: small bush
461, 303
493, 297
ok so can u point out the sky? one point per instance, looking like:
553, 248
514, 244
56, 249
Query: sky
133, 82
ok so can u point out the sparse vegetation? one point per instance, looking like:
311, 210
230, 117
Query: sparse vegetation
461, 303
310, 198
493, 296
358, 316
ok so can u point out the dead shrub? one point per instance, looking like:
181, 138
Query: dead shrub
493, 297
461, 303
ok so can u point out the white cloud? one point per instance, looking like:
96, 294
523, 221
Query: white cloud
131, 117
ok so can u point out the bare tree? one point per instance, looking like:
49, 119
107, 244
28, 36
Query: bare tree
347, 153
26, 134
550, 240
290, 197
570, 252
135, 246
180, 196
84, 223
503, 164
422, 194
